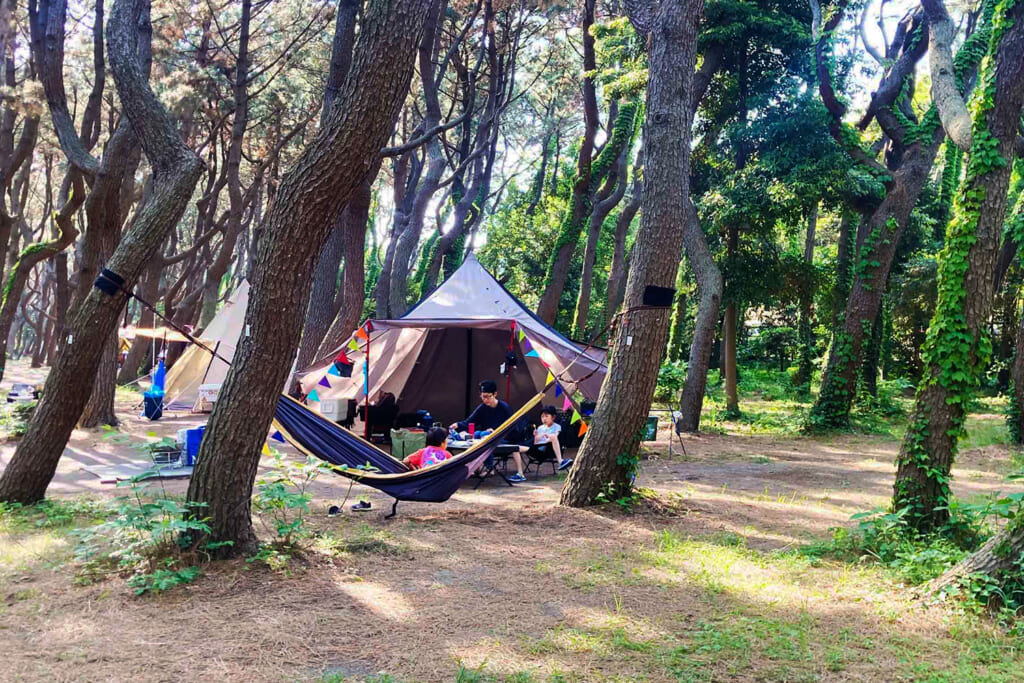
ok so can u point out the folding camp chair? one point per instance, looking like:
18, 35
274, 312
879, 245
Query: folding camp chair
537, 456
495, 464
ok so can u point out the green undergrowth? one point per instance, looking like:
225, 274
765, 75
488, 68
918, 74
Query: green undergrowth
890, 540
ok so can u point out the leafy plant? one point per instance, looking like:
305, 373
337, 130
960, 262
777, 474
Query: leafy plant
156, 542
282, 496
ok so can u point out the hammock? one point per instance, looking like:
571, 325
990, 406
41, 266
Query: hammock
315, 435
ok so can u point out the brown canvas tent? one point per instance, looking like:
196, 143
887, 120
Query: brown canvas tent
434, 356
196, 366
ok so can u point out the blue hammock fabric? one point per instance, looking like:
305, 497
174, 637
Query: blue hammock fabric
317, 436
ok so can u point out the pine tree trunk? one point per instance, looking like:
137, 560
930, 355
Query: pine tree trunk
149, 289
616, 288
957, 348
353, 283
709, 291
882, 235
320, 312
872, 357
640, 336
99, 410
573, 222
805, 369
1016, 412
176, 170
321, 179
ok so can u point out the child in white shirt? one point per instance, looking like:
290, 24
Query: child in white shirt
545, 437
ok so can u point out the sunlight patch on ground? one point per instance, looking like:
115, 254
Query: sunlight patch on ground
377, 598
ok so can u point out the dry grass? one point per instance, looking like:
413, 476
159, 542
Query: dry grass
700, 584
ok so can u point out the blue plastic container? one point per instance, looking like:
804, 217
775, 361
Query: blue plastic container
193, 437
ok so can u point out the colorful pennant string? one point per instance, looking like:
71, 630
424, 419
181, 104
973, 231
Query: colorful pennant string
575, 417
558, 390
532, 353
323, 381
567, 405
313, 396
353, 345
333, 370
276, 436
583, 428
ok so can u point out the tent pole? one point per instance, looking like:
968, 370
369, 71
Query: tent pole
469, 367
209, 363
366, 386
508, 367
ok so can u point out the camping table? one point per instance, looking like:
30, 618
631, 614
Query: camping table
490, 465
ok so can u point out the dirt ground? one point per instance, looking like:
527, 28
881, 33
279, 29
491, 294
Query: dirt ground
507, 584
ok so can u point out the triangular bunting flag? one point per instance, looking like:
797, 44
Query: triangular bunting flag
353, 345
323, 381
549, 379
558, 389
567, 404
527, 345
522, 335
333, 370
266, 450
575, 417
361, 333
532, 353
276, 436
313, 396
583, 428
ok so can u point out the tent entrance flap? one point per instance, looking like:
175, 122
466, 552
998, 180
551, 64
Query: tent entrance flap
469, 370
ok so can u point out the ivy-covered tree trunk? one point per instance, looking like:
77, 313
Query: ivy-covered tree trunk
616, 287
607, 199
580, 204
608, 456
872, 356
957, 348
1015, 412
321, 180
176, 170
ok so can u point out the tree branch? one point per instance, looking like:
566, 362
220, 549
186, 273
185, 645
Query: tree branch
945, 93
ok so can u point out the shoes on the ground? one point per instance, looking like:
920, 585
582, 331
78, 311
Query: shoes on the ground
565, 464
333, 511
362, 506
517, 477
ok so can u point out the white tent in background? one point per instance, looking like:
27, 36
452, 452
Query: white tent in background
434, 356
196, 366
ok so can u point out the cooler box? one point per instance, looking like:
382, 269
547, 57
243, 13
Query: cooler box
152, 406
193, 437
405, 442
207, 397
331, 409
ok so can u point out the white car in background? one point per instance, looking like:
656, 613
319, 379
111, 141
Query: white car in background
22, 392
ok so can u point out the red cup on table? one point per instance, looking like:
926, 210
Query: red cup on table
472, 430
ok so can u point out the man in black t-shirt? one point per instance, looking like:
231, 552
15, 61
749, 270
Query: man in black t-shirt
490, 414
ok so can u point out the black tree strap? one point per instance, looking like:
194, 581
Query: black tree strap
111, 283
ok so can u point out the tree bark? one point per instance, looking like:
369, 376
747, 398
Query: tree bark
639, 340
310, 195
605, 202
572, 223
957, 348
616, 288
176, 170
805, 369
353, 283
709, 291
236, 202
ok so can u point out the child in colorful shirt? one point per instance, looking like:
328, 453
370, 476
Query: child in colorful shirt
433, 453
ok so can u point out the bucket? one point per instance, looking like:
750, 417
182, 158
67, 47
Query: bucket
193, 437
651, 429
